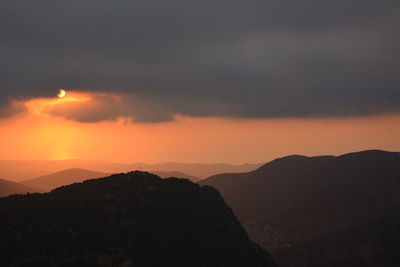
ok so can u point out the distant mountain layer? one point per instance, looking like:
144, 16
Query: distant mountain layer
134, 219
176, 174
17, 170
296, 199
66, 177
9, 188
196, 169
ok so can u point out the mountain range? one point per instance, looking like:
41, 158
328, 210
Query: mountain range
307, 211
20, 170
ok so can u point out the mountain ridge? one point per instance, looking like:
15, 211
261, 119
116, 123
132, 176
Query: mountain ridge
300, 198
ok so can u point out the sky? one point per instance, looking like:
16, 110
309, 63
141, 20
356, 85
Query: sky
198, 81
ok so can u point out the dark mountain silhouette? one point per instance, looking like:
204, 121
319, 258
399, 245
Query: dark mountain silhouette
296, 199
66, 177
9, 188
133, 219
176, 174
51, 181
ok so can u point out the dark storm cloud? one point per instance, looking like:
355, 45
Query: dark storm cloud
204, 58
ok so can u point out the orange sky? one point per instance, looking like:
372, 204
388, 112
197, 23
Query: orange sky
37, 134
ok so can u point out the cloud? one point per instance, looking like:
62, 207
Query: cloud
233, 58
9, 109
110, 108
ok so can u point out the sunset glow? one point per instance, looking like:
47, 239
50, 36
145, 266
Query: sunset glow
38, 133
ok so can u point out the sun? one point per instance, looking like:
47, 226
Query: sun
61, 93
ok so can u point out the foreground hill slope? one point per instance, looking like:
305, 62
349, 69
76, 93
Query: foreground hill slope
298, 198
376, 244
133, 219
10, 188
61, 178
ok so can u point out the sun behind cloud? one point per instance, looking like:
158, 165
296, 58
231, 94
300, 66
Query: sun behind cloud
61, 93
39, 106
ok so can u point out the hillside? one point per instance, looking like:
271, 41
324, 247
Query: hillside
133, 219
295, 199
376, 244
66, 177
9, 188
